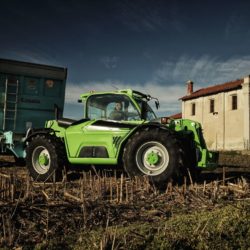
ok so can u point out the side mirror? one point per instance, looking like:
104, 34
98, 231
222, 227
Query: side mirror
157, 104
79, 100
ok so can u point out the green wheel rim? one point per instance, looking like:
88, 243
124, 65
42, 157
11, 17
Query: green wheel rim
152, 158
41, 160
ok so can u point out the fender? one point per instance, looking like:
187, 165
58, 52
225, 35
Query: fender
155, 124
143, 126
31, 133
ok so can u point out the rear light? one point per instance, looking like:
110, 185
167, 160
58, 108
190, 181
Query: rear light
165, 120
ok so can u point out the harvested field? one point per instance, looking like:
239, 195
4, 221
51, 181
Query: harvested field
102, 210
107, 210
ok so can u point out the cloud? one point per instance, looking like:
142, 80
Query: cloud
167, 95
238, 22
145, 15
73, 91
204, 71
139, 18
110, 62
33, 56
168, 83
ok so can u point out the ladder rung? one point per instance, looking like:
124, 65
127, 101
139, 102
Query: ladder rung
12, 102
12, 84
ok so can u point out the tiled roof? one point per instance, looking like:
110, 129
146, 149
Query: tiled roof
214, 89
176, 116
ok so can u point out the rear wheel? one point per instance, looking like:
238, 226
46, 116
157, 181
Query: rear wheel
154, 153
45, 158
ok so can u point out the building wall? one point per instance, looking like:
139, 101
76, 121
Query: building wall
225, 129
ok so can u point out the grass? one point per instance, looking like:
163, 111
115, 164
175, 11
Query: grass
226, 227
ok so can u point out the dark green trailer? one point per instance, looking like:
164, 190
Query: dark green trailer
29, 95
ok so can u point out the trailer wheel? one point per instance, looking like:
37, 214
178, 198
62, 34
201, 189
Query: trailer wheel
45, 159
20, 162
154, 153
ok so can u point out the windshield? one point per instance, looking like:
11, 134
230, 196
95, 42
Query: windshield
147, 112
112, 106
118, 107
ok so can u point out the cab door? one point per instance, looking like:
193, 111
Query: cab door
95, 142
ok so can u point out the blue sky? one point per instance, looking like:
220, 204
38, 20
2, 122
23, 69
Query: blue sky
154, 46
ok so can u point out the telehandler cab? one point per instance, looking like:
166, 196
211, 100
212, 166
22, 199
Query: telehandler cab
131, 136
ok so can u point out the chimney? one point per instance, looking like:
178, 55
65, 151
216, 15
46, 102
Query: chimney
190, 85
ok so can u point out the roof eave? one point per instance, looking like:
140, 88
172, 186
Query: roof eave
186, 98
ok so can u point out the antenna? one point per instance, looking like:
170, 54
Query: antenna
114, 87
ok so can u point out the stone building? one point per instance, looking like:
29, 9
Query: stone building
224, 112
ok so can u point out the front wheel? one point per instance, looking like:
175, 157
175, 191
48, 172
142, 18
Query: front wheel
154, 153
45, 159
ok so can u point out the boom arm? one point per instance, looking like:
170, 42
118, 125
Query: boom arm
206, 159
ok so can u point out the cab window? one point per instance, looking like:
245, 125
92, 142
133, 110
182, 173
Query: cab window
112, 107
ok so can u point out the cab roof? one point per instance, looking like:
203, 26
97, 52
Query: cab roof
129, 92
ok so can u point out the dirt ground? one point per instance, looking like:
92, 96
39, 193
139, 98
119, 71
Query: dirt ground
235, 159
110, 211
236, 162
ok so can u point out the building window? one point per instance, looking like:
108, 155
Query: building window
192, 108
234, 102
211, 106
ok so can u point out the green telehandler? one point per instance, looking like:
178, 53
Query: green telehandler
119, 128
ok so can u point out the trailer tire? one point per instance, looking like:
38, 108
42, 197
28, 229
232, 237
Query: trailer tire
45, 158
154, 153
20, 162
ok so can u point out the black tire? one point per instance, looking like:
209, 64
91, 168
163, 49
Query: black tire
139, 156
189, 161
45, 158
20, 162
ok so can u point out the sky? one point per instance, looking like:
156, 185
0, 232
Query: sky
153, 46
